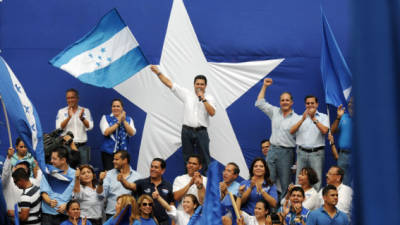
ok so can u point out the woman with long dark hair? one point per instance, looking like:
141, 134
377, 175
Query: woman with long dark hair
258, 187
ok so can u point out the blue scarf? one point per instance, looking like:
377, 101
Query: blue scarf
120, 133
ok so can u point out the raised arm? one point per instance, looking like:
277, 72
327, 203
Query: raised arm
77, 184
339, 114
162, 202
161, 76
267, 83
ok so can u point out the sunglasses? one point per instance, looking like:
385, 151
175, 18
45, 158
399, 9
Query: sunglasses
147, 204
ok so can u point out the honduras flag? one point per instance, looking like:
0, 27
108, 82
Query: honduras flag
106, 56
336, 75
22, 113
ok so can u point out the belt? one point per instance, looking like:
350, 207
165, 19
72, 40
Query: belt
346, 151
194, 128
279, 146
312, 149
80, 144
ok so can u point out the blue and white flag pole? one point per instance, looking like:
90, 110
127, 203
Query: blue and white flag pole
105, 57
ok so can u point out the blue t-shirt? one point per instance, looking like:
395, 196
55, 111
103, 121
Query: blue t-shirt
254, 196
320, 216
111, 222
345, 132
67, 222
149, 221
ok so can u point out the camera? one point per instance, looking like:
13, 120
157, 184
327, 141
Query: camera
53, 140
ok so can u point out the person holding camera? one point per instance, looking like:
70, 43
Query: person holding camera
76, 119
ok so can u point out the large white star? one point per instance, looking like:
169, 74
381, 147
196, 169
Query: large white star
182, 59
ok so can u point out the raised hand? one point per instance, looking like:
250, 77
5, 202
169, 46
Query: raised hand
10, 152
340, 111
70, 112
253, 182
155, 194
267, 82
155, 69
77, 173
102, 175
241, 189
81, 114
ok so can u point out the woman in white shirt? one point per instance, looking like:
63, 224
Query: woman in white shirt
306, 179
85, 191
181, 217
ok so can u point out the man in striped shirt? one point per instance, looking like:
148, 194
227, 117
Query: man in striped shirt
29, 202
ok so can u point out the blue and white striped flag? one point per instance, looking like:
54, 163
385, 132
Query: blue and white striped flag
22, 113
106, 56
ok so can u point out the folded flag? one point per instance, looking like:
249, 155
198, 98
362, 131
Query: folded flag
106, 56
336, 75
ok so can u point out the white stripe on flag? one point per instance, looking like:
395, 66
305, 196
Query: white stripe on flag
103, 55
26, 103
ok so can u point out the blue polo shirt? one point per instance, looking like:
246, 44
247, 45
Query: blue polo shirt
113, 188
254, 196
320, 216
58, 190
345, 132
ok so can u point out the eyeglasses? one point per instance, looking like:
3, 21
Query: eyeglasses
147, 204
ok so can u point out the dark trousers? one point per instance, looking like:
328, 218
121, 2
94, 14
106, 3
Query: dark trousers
48, 219
107, 160
196, 139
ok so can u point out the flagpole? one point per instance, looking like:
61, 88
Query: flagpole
7, 123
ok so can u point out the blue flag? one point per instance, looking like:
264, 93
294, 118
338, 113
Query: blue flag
16, 215
211, 211
22, 113
3, 207
106, 56
336, 75
123, 217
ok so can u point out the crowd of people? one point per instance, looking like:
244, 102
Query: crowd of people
268, 196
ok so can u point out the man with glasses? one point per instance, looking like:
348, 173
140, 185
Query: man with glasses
78, 120
310, 133
335, 177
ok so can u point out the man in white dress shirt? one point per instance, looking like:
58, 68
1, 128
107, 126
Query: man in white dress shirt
310, 138
78, 120
198, 107
334, 177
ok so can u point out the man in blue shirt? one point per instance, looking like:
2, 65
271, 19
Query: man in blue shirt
344, 125
111, 181
229, 183
328, 213
55, 192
